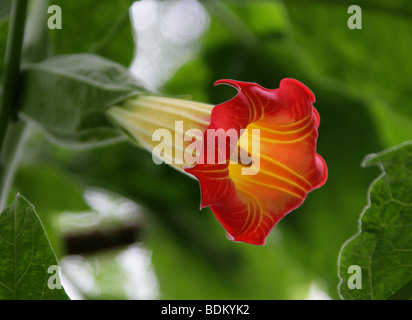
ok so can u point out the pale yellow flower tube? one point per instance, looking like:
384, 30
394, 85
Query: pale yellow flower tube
170, 128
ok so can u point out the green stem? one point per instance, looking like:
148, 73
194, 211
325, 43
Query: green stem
12, 151
8, 96
12, 65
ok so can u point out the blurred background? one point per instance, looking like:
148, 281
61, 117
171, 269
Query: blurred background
125, 228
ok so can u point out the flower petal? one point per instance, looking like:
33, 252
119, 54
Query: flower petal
283, 122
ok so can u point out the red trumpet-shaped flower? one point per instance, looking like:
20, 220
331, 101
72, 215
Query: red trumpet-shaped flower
254, 155
283, 123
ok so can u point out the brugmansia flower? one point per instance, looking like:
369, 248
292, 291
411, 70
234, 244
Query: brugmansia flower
254, 155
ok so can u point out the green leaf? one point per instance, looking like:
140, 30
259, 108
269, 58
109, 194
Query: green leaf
26, 256
383, 246
99, 27
67, 97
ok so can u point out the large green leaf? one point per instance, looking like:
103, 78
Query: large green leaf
67, 96
26, 256
99, 27
383, 246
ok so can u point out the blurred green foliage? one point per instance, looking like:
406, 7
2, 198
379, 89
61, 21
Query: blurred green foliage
360, 80
97, 27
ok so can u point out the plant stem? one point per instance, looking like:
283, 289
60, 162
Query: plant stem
8, 97
12, 64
